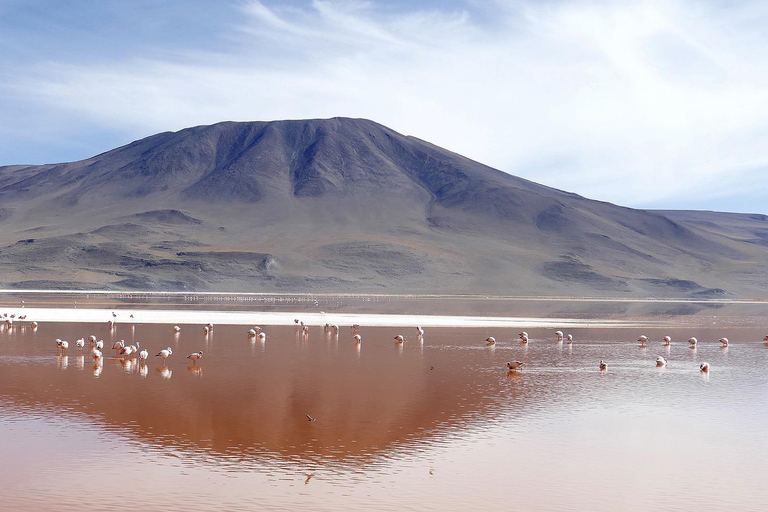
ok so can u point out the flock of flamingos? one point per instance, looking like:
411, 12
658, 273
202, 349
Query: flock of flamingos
135, 350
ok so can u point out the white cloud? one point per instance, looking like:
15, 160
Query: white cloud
639, 103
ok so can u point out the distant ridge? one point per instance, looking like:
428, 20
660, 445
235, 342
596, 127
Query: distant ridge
348, 205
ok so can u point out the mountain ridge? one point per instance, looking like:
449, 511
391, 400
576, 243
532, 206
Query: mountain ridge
348, 204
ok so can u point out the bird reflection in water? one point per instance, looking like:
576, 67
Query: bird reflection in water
62, 362
143, 371
98, 367
194, 369
164, 372
80, 362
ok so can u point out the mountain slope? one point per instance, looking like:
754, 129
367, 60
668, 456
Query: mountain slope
347, 205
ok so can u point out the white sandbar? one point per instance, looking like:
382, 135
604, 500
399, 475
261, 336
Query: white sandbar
197, 317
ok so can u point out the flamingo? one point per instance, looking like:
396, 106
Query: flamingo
92, 339
262, 337
80, 343
127, 351
96, 354
335, 329
34, 325
569, 339
99, 344
210, 326
195, 356
252, 333
643, 340
692, 342
419, 331
118, 345
515, 365
296, 321
704, 367
355, 327
399, 339
357, 338
559, 335
661, 362
523, 337
603, 365
206, 330
667, 341
257, 328
724, 341
143, 355
490, 341
63, 345
164, 353
176, 328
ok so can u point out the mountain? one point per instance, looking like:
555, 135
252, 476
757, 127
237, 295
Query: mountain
348, 205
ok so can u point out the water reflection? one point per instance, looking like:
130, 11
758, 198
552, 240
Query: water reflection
393, 410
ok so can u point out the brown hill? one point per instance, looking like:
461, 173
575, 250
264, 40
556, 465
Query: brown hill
348, 205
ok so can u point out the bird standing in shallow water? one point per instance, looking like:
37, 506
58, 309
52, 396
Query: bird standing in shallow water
490, 341
399, 339
661, 362
357, 338
515, 365
603, 365
667, 341
195, 356
559, 335
643, 340
724, 341
176, 328
164, 353
692, 342
143, 355
569, 339
704, 367
523, 337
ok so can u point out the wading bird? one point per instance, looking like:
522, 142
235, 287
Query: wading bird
603, 365
515, 365
661, 362
490, 341
195, 356
164, 353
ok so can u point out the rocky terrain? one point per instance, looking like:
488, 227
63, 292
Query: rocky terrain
348, 205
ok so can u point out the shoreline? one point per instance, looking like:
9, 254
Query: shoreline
202, 317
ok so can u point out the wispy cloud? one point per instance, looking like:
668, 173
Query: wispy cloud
647, 103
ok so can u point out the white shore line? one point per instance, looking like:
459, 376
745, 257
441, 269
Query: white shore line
197, 317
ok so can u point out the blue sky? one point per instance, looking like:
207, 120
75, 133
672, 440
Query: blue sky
650, 104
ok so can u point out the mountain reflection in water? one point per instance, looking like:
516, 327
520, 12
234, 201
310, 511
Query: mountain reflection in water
445, 406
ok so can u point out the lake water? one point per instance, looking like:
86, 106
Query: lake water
438, 425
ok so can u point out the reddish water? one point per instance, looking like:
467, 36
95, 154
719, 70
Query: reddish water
432, 426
